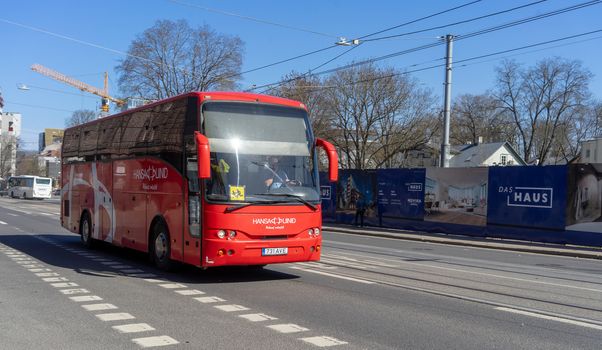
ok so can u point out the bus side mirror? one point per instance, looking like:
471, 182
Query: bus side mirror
204, 162
333, 159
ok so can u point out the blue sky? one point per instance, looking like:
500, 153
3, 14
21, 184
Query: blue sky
114, 24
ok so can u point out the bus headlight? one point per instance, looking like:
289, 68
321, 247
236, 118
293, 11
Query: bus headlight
232, 234
316, 231
221, 233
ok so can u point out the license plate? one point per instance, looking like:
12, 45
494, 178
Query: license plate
274, 251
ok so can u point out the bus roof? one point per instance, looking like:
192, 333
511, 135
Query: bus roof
211, 96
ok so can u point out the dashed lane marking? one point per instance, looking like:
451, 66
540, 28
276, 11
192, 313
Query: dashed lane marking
231, 308
64, 284
74, 291
132, 271
55, 279
189, 292
2, 223
117, 316
38, 270
83, 298
133, 328
287, 328
154, 280
99, 307
323, 341
155, 341
209, 300
258, 317
47, 274
12, 214
172, 285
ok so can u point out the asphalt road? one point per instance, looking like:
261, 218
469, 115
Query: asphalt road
366, 293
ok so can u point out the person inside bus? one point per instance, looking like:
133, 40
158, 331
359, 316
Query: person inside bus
273, 174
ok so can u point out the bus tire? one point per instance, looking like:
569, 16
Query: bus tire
12, 194
160, 246
24, 195
85, 231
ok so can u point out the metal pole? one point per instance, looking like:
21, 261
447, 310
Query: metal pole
447, 103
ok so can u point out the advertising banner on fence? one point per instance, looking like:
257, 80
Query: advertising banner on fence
328, 196
456, 196
401, 193
584, 201
533, 196
356, 197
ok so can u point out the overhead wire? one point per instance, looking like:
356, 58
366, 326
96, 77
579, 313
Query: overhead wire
420, 19
458, 22
458, 62
458, 37
253, 19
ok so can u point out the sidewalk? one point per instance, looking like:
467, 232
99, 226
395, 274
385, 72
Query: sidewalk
481, 242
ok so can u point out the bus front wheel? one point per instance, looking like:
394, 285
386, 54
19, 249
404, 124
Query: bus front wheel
85, 230
161, 247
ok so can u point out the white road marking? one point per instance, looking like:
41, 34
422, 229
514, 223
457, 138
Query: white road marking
25, 262
101, 259
18, 258
30, 266
231, 308
287, 328
258, 317
3, 223
115, 316
39, 270
11, 214
319, 265
132, 271
47, 274
551, 318
55, 279
208, 300
189, 292
75, 291
155, 341
133, 328
99, 307
172, 285
154, 280
323, 341
82, 298
333, 275
121, 266
64, 285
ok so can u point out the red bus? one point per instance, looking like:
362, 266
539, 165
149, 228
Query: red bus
205, 178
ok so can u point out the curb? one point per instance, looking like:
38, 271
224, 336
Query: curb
500, 245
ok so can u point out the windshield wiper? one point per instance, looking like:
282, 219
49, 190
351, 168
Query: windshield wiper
240, 206
289, 195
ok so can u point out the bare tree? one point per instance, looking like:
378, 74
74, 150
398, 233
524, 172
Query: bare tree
308, 90
171, 58
80, 116
477, 116
540, 100
377, 114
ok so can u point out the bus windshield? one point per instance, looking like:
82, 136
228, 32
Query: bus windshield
259, 152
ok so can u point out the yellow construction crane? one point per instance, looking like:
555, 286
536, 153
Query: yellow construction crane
104, 93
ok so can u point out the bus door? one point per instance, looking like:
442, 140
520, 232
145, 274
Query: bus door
192, 224
104, 204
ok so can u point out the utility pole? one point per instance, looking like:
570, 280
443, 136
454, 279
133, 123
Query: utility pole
449, 39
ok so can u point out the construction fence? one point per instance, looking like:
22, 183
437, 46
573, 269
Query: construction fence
552, 204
